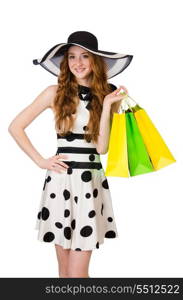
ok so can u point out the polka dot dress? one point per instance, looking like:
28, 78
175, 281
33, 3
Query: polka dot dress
75, 210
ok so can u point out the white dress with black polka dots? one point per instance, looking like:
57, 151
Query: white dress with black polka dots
75, 210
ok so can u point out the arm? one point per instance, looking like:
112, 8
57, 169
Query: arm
104, 130
111, 104
26, 116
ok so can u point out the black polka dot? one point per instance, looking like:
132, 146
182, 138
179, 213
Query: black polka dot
39, 215
67, 233
86, 176
95, 193
66, 194
86, 231
105, 184
45, 181
97, 245
77, 249
110, 234
102, 209
91, 214
73, 224
76, 199
66, 213
45, 213
48, 178
92, 157
110, 219
88, 195
69, 170
48, 237
52, 195
58, 225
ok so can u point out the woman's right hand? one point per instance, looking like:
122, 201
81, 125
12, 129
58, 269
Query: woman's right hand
53, 163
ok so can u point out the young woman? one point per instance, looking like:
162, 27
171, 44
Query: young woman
75, 211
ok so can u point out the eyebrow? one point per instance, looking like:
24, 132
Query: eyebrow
73, 53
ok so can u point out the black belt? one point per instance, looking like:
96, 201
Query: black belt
83, 165
77, 150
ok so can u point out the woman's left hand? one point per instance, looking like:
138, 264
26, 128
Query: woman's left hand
113, 97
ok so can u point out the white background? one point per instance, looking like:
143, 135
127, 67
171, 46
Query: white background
148, 208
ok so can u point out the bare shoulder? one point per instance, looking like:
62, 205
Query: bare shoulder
43, 101
51, 91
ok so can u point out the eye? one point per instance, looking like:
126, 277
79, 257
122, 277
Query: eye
85, 56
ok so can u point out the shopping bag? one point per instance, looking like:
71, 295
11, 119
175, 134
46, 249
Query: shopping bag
117, 153
157, 149
135, 145
138, 158
127, 154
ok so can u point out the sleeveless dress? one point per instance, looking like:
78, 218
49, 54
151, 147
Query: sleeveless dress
76, 210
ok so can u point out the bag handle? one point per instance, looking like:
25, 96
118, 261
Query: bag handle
125, 106
128, 102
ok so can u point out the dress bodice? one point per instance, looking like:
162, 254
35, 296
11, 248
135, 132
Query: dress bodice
82, 115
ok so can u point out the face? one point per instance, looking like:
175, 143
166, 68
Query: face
79, 64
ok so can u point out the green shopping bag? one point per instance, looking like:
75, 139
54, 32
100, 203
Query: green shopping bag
139, 161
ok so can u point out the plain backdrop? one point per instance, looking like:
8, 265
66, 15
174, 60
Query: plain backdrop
148, 208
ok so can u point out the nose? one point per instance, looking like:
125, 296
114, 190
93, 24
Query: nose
78, 61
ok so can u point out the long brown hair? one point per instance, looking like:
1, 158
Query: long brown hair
66, 99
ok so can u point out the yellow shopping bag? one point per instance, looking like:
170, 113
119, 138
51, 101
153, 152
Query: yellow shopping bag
117, 164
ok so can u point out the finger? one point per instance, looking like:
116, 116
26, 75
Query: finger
61, 170
123, 94
63, 155
58, 170
62, 164
60, 155
58, 158
119, 92
124, 88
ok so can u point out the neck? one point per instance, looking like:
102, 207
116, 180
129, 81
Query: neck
84, 83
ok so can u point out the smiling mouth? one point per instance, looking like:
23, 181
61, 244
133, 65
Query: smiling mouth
79, 70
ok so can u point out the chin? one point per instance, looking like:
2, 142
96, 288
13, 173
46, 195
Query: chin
81, 76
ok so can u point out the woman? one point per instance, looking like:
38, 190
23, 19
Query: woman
75, 211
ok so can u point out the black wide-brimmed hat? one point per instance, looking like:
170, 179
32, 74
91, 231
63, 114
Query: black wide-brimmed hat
116, 62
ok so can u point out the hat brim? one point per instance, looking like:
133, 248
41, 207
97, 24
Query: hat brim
116, 62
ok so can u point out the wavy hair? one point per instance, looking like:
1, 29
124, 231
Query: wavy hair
66, 99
